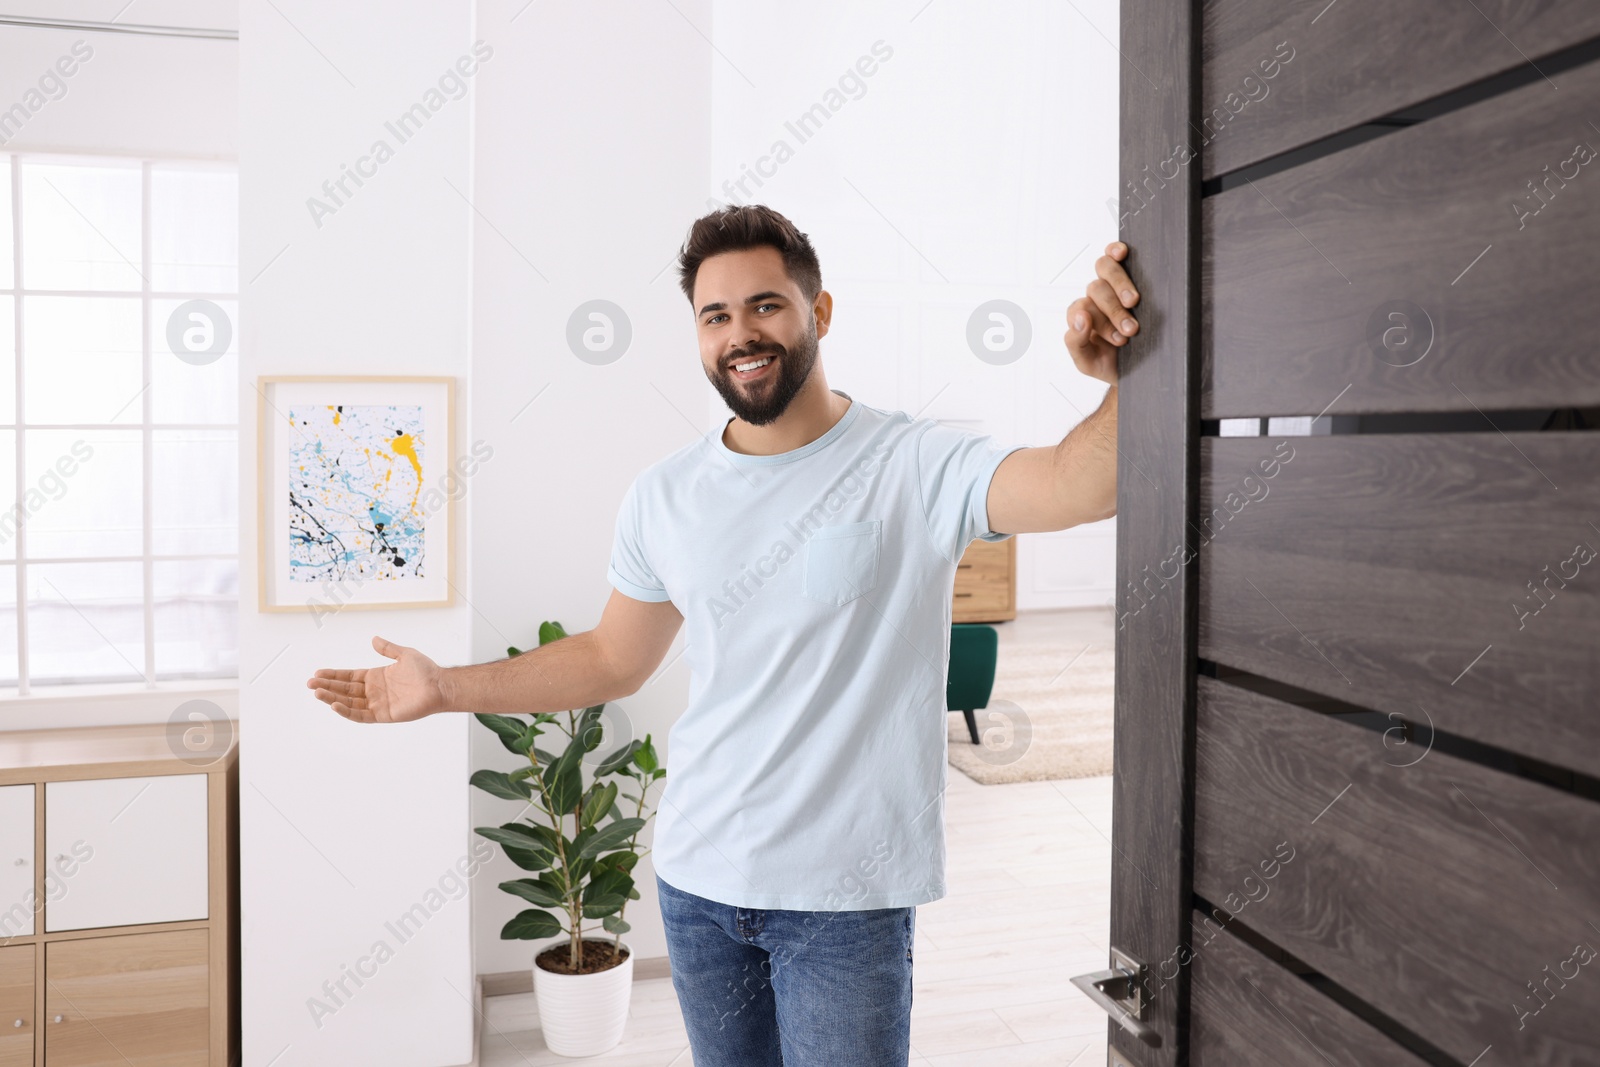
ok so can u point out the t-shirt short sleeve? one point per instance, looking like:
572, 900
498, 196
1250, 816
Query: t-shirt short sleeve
954, 468
630, 571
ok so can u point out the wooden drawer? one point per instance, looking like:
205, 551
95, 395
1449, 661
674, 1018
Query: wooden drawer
1321, 285
16, 1006
1349, 64
1388, 571
139, 999
985, 586
1250, 1012
129, 850
17, 901
1453, 897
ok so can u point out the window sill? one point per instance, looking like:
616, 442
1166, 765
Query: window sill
111, 704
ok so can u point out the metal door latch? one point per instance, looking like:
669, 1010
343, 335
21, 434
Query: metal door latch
1120, 993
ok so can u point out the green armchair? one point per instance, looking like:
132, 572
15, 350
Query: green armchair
974, 647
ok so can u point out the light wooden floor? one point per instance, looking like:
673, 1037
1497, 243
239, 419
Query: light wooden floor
1028, 907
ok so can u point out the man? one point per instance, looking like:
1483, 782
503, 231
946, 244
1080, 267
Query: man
811, 544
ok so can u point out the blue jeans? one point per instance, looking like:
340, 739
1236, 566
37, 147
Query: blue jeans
766, 986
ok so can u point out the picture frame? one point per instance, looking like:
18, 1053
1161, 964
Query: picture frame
356, 491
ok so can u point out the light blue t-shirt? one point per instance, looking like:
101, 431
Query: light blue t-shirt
808, 770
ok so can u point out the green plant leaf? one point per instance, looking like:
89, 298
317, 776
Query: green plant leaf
544, 758
523, 772
553, 840
515, 834
550, 631
616, 925
606, 893
522, 744
500, 784
590, 732
645, 758
531, 925
617, 760
633, 894
622, 860
535, 891
563, 780
607, 881
593, 842
597, 802
523, 844
508, 729
527, 858
512, 651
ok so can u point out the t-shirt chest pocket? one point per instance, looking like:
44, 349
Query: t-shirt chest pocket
842, 561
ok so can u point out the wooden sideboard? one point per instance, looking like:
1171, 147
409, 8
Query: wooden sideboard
986, 582
119, 896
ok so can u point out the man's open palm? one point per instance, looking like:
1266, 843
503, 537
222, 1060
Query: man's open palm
405, 690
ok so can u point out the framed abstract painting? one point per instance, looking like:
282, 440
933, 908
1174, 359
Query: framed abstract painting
357, 484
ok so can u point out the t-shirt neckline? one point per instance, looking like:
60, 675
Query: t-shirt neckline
793, 454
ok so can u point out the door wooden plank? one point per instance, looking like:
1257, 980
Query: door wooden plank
1453, 898
1393, 572
1417, 272
1156, 480
1350, 66
1251, 1012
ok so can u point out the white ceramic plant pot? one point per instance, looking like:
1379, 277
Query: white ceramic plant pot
583, 1014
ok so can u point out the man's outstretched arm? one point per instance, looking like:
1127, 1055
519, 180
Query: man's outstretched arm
1040, 489
611, 661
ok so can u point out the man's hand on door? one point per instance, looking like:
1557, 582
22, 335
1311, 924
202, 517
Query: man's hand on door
1099, 323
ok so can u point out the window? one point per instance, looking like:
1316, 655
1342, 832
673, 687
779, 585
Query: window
118, 421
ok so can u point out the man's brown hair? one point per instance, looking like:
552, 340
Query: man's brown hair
734, 229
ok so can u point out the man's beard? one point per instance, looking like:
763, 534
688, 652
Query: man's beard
773, 393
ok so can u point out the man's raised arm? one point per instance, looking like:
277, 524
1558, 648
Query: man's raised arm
611, 661
1053, 488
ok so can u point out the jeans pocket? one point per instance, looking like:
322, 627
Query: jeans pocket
842, 561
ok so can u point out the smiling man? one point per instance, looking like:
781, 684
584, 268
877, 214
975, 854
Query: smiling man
810, 545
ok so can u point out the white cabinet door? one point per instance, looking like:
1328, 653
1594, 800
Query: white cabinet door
121, 851
16, 860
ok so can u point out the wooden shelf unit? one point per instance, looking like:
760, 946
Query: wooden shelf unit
158, 991
986, 582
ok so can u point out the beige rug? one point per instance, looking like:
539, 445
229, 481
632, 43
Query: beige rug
1045, 719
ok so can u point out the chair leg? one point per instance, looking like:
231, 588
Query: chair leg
972, 725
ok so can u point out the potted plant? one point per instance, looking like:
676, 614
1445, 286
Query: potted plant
580, 849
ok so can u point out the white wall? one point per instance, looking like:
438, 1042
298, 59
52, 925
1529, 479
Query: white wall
593, 150
345, 826
974, 163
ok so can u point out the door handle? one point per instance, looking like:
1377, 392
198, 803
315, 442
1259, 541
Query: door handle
1119, 992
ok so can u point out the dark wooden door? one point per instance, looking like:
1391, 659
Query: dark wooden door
1357, 794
